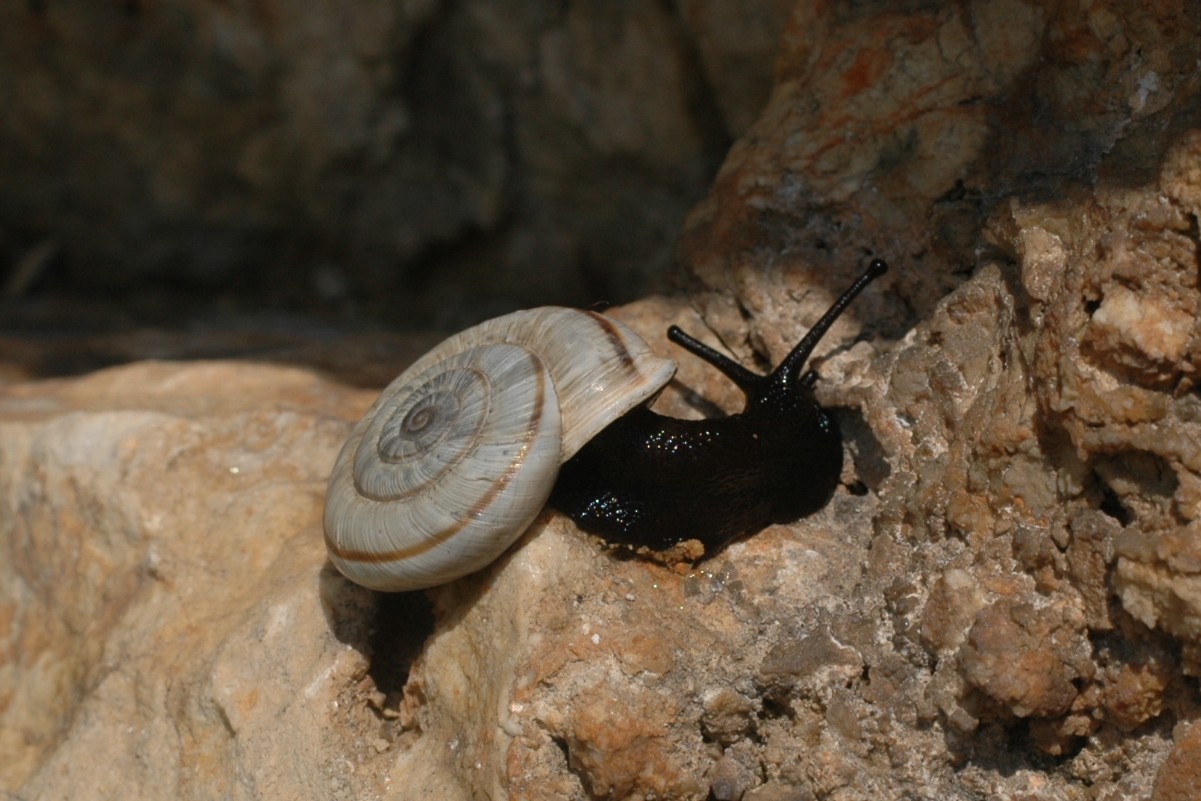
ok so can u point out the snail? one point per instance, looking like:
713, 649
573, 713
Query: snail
461, 452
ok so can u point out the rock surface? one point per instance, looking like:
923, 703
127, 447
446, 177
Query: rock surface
168, 632
1036, 540
202, 645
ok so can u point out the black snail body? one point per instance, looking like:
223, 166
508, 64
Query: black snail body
652, 481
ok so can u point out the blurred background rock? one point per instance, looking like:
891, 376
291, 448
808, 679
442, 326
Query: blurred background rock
408, 163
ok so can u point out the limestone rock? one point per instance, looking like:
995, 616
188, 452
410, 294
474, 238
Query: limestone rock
898, 133
1181, 773
1035, 541
1026, 658
176, 631
170, 632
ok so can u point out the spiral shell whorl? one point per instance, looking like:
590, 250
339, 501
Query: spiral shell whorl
421, 433
411, 509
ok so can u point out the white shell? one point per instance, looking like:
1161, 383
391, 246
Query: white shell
458, 455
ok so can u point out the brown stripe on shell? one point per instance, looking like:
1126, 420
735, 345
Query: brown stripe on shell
502, 481
615, 338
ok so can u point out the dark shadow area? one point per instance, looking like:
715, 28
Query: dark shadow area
1135, 484
866, 452
1112, 507
34, 345
392, 629
389, 629
402, 622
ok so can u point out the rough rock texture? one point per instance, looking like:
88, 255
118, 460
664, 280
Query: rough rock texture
201, 647
1001, 602
167, 631
900, 132
432, 159
1036, 540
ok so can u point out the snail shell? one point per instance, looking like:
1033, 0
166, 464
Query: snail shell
458, 455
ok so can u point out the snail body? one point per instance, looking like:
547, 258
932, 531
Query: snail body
777, 461
460, 453
652, 481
